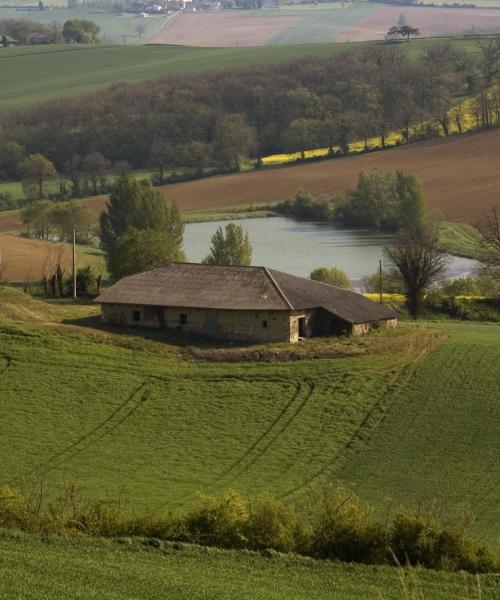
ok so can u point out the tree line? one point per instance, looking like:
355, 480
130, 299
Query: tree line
24, 31
219, 120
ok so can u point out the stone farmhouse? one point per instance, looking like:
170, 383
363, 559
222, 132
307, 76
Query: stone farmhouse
239, 303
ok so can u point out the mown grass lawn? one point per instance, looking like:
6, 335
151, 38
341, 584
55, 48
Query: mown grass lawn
70, 570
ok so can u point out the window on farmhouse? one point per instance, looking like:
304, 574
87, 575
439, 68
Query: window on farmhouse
183, 319
136, 316
264, 324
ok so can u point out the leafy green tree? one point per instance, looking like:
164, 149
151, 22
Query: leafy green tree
306, 206
69, 216
35, 171
37, 217
413, 211
137, 205
332, 276
142, 249
374, 202
80, 31
11, 156
230, 246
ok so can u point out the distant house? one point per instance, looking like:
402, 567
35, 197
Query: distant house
239, 303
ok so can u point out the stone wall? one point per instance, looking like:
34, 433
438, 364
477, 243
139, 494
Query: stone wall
244, 325
363, 328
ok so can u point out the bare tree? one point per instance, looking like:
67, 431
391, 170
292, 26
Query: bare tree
490, 59
416, 263
489, 228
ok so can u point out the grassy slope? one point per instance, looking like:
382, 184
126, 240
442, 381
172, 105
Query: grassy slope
442, 437
68, 570
133, 416
44, 73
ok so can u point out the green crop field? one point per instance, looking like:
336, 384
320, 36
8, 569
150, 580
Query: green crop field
32, 569
38, 73
318, 24
408, 415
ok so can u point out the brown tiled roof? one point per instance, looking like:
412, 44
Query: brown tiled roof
190, 285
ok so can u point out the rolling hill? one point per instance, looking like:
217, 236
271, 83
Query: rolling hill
42, 73
402, 416
458, 174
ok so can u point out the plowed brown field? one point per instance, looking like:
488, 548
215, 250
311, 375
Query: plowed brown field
28, 260
221, 29
460, 176
431, 21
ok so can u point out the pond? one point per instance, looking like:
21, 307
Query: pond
298, 247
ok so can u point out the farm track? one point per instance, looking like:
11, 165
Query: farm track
417, 352
303, 392
86, 441
281, 424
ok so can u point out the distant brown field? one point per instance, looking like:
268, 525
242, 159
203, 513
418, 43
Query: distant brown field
459, 175
221, 29
431, 21
27, 260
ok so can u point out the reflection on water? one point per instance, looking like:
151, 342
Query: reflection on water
298, 247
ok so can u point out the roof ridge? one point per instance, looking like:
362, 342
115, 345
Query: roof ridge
279, 290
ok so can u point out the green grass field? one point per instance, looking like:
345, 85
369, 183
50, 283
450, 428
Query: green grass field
400, 416
39, 73
318, 24
32, 569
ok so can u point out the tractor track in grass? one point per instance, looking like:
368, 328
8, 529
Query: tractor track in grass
419, 348
309, 387
282, 422
134, 400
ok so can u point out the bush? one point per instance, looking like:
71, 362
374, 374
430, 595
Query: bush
342, 528
417, 541
220, 522
305, 206
332, 276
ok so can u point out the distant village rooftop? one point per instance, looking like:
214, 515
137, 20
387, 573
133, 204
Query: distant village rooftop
244, 303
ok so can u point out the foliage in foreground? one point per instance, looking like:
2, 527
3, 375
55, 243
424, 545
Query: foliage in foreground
331, 523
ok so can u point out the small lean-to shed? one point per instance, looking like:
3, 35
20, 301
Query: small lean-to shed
239, 303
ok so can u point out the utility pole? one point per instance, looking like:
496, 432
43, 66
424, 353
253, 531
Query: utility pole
74, 264
380, 280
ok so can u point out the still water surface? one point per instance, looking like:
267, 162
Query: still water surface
298, 247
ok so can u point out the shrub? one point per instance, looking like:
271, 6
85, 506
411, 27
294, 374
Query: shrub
419, 541
332, 276
220, 522
272, 524
342, 528
305, 206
